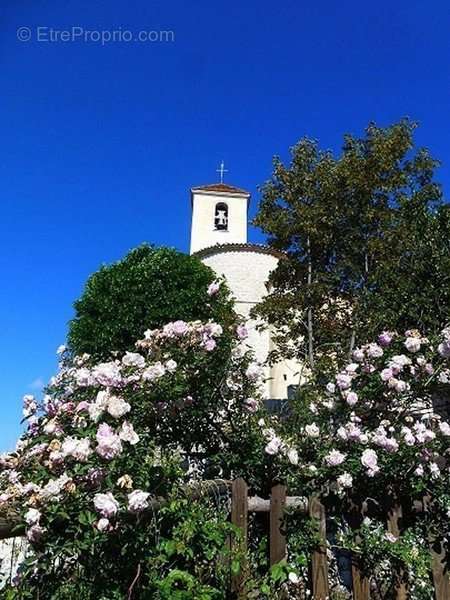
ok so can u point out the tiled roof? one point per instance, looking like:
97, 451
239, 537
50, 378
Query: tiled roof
220, 187
219, 248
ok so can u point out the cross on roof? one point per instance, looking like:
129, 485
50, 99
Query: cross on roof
221, 170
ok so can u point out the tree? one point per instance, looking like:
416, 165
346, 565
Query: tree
146, 289
366, 241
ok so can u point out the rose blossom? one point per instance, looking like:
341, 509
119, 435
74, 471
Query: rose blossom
35, 533
412, 344
213, 288
293, 578
444, 349
137, 501
253, 371
102, 524
351, 398
273, 447
345, 480
385, 338
128, 434
369, 459
179, 328
444, 428
358, 354
133, 359
125, 482
109, 444
32, 516
343, 381
387, 374
312, 430
154, 372
292, 456
106, 504
374, 350
117, 407
242, 332
107, 374
334, 458
251, 405
434, 470
209, 344
80, 449
171, 365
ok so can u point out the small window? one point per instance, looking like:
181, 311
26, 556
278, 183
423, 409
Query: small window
221, 216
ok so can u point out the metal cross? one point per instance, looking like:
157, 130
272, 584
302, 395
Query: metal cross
221, 170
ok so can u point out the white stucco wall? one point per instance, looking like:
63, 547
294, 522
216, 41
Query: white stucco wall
247, 273
203, 231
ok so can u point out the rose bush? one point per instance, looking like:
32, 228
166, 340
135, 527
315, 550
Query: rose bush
111, 438
367, 439
107, 439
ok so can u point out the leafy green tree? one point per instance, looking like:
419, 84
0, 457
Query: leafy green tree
366, 242
146, 289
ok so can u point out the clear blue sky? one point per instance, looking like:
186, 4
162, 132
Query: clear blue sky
100, 144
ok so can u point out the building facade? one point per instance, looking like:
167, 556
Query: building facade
219, 238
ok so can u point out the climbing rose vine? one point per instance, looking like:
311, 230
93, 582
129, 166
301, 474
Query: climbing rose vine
109, 438
369, 438
186, 405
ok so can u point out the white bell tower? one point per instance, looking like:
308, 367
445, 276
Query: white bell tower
219, 216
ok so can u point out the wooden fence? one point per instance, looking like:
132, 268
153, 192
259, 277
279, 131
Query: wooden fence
242, 504
276, 505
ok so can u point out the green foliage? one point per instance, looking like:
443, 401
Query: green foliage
366, 238
145, 290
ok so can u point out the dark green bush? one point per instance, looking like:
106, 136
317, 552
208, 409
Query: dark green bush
145, 290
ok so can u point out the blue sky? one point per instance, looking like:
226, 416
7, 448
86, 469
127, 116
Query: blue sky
101, 143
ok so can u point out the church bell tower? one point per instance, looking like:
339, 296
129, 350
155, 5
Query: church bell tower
219, 216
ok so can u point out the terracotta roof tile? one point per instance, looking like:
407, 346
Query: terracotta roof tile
220, 187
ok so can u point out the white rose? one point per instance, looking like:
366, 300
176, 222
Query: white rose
292, 455
312, 430
133, 359
171, 365
412, 344
293, 578
102, 524
106, 504
117, 407
138, 501
128, 434
32, 516
345, 480
273, 447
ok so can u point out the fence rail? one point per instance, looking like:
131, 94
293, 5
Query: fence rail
241, 505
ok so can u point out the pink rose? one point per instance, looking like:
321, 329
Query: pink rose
369, 459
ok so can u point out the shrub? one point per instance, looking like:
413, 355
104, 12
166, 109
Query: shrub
145, 290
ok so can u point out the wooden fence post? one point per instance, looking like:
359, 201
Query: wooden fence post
395, 514
321, 589
361, 584
239, 514
277, 538
360, 581
441, 577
